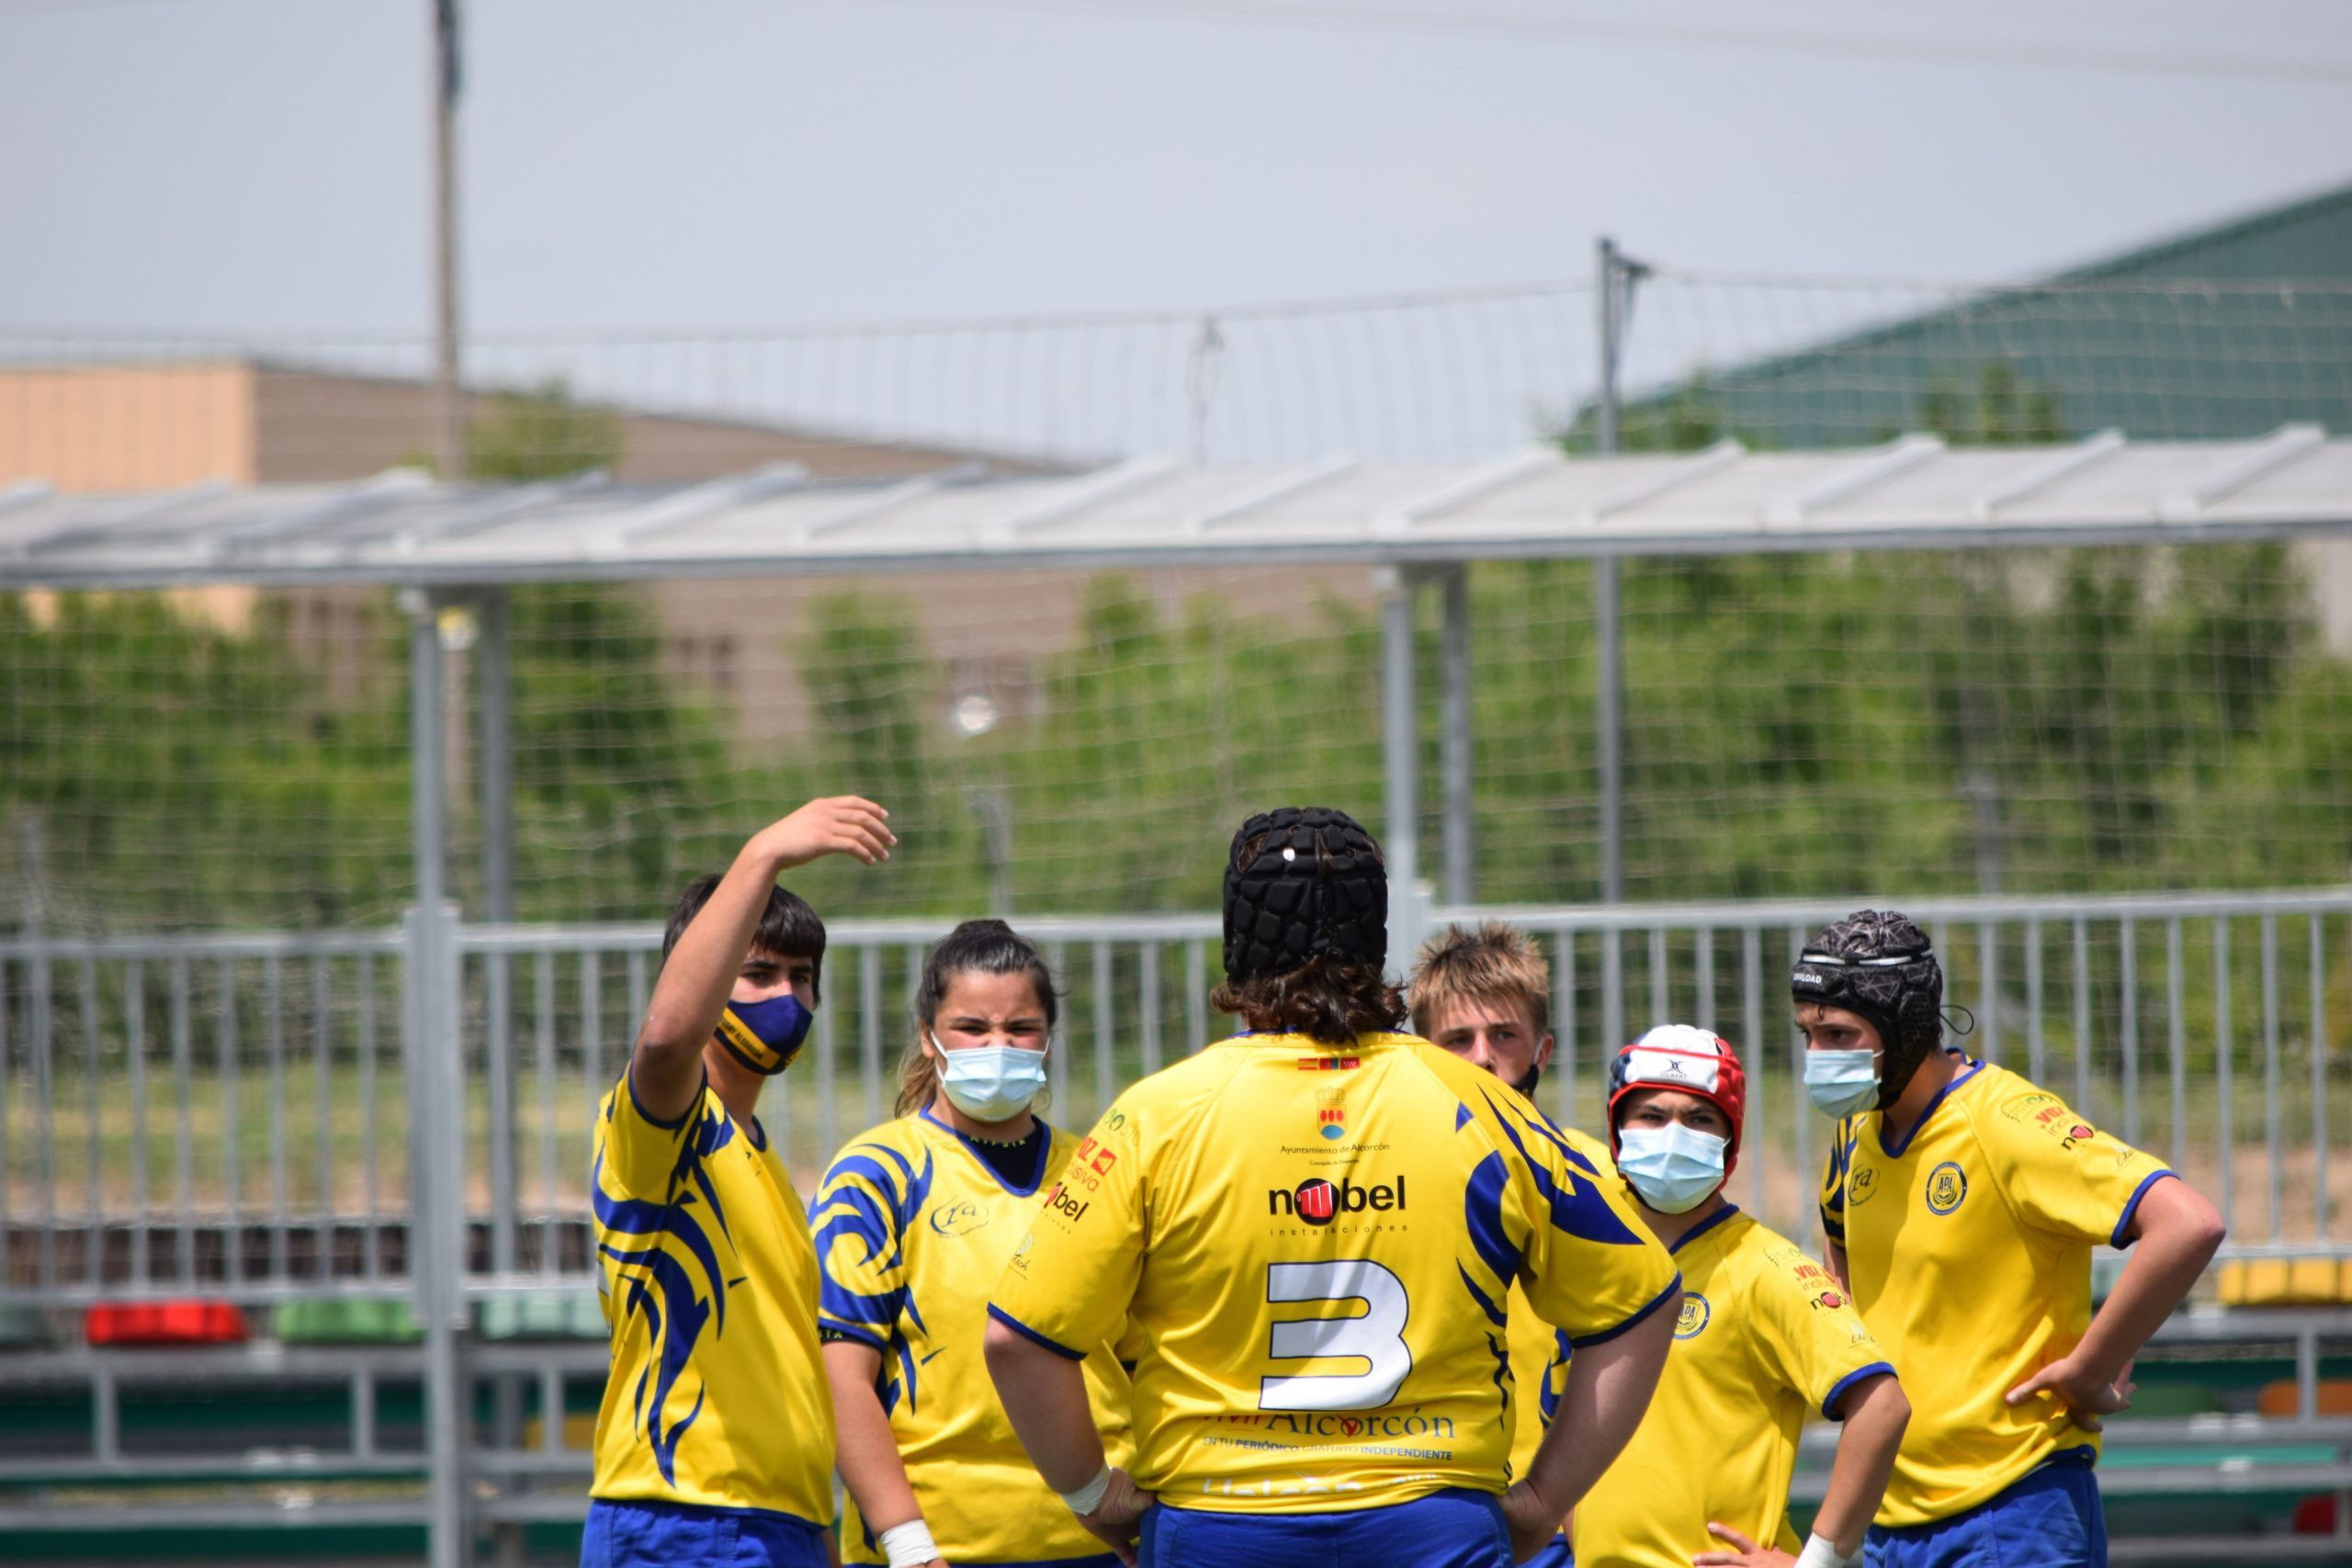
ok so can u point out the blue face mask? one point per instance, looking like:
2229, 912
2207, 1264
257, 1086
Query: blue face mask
1841, 1082
764, 1036
1671, 1168
990, 1083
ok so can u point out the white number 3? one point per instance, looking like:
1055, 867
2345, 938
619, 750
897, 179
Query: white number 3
1376, 1337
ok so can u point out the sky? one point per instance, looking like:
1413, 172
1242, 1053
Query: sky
260, 166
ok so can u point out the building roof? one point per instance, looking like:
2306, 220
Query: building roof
402, 527
2227, 331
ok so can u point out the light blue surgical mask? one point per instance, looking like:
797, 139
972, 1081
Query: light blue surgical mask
1841, 1082
1671, 1168
990, 1083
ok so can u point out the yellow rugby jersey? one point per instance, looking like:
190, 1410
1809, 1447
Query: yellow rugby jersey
1318, 1246
1968, 1245
912, 1233
715, 1395
1765, 1339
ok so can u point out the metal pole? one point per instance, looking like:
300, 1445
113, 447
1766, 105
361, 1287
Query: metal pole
1460, 867
1609, 692
428, 735
1610, 673
493, 671
450, 435
1400, 737
431, 997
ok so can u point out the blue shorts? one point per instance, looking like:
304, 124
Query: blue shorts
1555, 1555
1455, 1528
2049, 1520
656, 1535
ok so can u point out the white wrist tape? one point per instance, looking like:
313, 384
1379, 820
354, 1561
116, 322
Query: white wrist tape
908, 1545
1089, 1497
1820, 1552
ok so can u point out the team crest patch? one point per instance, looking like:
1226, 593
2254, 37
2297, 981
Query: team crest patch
1695, 1313
1947, 1185
1332, 1113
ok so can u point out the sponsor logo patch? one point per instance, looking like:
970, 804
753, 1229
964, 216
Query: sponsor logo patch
1329, 1064
958, 1219
1861, 1185
1318, 1201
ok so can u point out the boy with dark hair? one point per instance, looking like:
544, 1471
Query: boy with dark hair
1960, 1203
715, 1442
1766, 1339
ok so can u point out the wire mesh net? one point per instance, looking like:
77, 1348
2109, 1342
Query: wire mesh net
2015, 720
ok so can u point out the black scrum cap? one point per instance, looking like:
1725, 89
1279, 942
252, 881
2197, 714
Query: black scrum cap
1317, 883
1878, 964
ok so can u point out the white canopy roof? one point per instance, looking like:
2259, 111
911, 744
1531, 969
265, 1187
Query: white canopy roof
400, 528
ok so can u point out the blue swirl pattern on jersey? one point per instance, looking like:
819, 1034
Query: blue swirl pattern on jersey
875, 1203
662, 1289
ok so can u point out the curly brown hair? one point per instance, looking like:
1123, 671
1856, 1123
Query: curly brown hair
1329, 998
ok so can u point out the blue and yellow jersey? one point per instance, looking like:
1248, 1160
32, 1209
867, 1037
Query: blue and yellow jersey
1968, 1244
715, 1395
912, 1232
1766, 1339
1318, 1246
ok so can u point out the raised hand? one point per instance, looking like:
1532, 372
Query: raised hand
839, 825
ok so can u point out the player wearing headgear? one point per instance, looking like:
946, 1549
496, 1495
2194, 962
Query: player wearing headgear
715, 1442
1764, 1337
914, 1221
1961, 1203
1486, 995
1314, 1227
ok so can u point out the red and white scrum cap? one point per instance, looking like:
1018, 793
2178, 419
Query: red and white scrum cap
1681, 1055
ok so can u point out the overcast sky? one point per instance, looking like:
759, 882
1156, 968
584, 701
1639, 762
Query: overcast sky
249, 164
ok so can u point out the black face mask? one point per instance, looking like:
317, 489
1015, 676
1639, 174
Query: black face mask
1526, 1086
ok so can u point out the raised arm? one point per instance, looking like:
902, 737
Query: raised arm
665, 1068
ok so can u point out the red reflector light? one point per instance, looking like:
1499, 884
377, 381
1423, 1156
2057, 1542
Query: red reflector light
164, 1322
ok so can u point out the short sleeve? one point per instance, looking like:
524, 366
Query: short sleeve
1541, 1208
863, 1206
1069, 1281
1833, 1183
637, 1155
1807, 1332
2063, 1174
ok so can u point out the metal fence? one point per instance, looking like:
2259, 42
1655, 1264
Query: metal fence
247, 1116
405, 1114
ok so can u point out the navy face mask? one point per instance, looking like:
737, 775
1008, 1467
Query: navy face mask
764, 1036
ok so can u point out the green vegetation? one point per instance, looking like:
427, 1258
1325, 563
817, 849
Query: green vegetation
1932, 721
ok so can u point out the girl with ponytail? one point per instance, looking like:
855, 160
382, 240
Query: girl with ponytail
915, 1220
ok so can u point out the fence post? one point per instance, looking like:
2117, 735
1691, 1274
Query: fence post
438, 1216
1400, 731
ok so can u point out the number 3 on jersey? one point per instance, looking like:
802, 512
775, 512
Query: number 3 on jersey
1376, 1337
